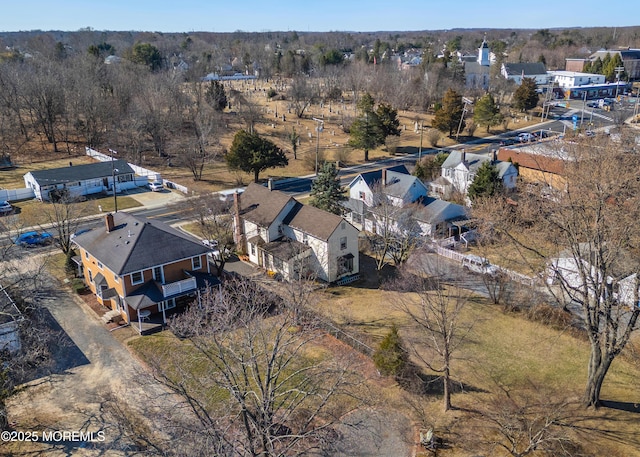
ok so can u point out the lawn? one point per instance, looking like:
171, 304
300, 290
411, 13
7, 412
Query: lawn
504, 349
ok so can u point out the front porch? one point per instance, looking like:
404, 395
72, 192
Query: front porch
152, 324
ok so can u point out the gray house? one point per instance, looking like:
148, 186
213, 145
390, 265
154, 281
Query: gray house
81, 180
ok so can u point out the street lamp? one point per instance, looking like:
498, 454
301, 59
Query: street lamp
113, 180
319, 129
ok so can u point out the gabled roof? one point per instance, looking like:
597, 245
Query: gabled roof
313, 221
77, 173
399, 184
262, 206
435, 211
474, 161
532, 161
372, 177
137, 244
529, 68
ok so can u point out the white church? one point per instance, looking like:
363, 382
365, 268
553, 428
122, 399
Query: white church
477, 71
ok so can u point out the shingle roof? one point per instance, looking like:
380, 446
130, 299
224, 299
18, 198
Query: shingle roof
529, 68
399, 184
260, 205
474, 162
371, 177
436, 211
137, 243
81, 172
313, 221
532, 161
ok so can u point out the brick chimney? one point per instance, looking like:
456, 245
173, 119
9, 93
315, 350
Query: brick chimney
238, 235
109, 221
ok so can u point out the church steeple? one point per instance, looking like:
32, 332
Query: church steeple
483, 53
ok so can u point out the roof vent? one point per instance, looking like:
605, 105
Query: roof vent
129, 233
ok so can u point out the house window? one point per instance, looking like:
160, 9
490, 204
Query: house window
137, 278
90, 275
157, 274
361, 195
196, 263
343, 243
253, 249
100, 265
165, 305
116, 278
343, 226
86, 254
305, 238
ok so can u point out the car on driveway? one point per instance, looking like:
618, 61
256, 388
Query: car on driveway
156, 186
5, 208
215, 250
29, 239
479, 265
525, 137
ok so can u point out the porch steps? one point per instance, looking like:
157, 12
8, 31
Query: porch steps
109, 316
347, 280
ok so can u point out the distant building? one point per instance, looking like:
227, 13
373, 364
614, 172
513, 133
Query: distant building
571, 79
477, 72
630, 61
517, 71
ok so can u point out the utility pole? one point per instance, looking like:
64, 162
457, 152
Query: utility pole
618, 71
318, 129
464, 111
420, 150
113, 180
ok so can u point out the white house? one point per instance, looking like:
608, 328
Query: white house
571, 79
459, 170
81, 180
517, 71
569, 270
284, 236
477, 71
362, 187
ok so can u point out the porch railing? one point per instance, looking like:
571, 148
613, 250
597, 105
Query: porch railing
178, 287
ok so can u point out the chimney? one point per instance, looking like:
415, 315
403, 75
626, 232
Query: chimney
270, 184
384, 177
237, 233
464, 156
109, 220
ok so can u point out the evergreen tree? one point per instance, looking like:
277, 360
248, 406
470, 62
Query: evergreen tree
216, 96
389, 122
525, 97
447, 118
366, 131
326, 191
253, 154
391, 357
486, 112
486, 183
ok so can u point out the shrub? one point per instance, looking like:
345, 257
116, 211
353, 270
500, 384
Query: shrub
391, 357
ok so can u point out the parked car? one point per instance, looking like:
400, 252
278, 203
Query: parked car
593, 104
479, 265
508, 141
156, 186
29, 239
215, 251
525, 137
5, 208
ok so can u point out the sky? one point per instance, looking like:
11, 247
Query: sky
309, 16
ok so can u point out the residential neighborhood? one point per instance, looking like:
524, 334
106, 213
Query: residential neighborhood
320, 243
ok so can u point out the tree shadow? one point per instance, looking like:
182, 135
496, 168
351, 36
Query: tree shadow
414, 380
621, 406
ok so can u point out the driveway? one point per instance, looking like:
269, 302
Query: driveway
92, 365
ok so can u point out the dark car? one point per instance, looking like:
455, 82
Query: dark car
508, 141
28, 239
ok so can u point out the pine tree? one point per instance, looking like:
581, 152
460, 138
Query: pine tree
486, 183
391, 357
366, 131
486, 112
326, 192
447, 118
525, 97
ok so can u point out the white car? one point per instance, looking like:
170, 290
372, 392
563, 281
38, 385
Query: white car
479, 265
5, 208
156, 186
525, 137
215, 251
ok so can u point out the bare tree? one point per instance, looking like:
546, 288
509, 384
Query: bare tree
395, 231
585, 234
436, 312
256, 387
302, 94
63, 215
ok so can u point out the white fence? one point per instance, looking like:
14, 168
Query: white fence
11, 195
449, 254
140, 171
